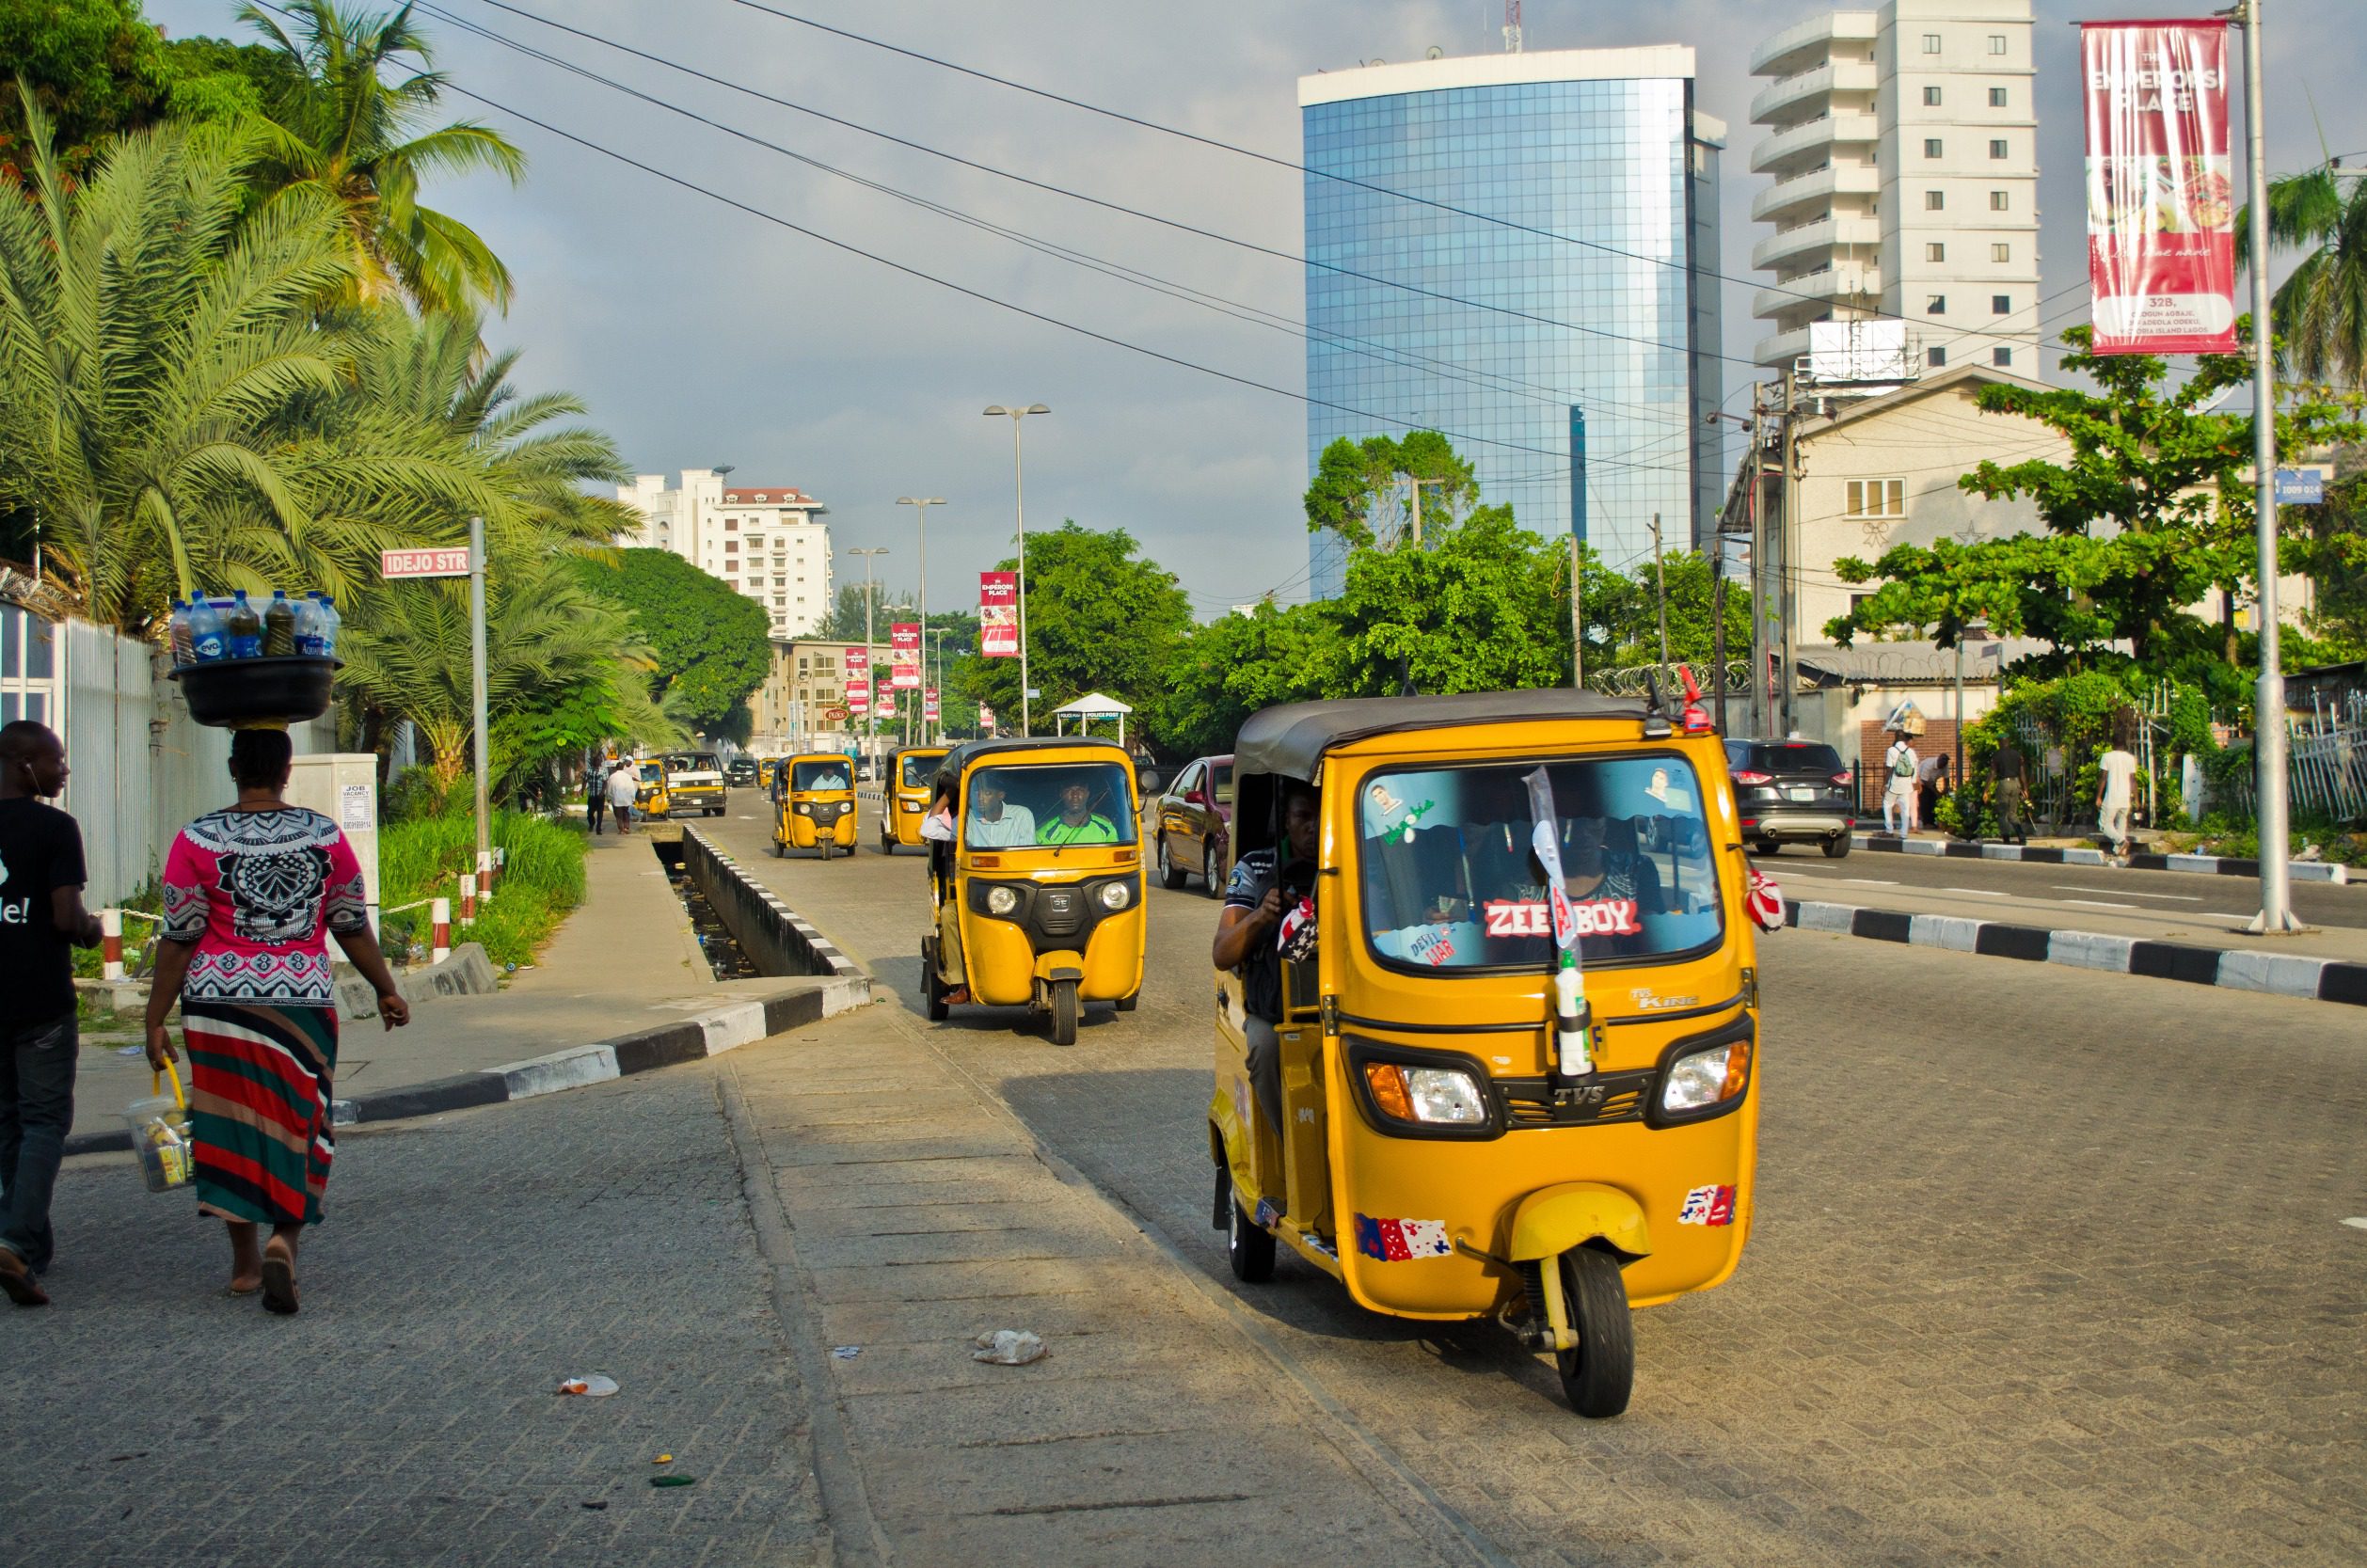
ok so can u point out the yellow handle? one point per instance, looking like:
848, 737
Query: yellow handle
156, 1082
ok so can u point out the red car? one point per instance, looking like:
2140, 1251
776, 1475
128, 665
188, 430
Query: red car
1193, 824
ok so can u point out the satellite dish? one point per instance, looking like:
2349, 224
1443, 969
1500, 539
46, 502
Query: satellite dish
1434, 52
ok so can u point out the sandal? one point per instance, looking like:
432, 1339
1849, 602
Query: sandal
280, 1283
17, 1281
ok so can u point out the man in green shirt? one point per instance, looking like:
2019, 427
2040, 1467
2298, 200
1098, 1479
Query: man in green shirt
1078, 823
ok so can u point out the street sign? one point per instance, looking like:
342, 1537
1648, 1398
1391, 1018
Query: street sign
2300, 487
423, 563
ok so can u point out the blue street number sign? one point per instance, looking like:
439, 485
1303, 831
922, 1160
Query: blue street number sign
2300, 487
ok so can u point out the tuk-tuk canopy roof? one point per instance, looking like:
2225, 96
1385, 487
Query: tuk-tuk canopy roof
969, 752
1291, 739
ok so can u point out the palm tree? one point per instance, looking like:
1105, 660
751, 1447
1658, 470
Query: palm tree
2321, 309
360, 138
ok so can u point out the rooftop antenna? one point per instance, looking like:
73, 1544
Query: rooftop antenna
1511, 26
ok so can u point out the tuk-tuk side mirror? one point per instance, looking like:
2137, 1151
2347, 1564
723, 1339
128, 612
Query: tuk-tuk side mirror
1150, 782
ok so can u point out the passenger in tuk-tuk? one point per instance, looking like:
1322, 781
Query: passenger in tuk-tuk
994, 823
1077, 822
1264, 890
936, 827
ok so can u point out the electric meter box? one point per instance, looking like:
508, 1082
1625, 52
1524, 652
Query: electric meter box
343, 788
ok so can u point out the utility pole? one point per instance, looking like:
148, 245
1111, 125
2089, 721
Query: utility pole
477, 698
2268, 699
870, 663
1758, 569
1019, 493
1788, 676
920, 505
1717, 621
1417, 484
1660, 574
1578, 623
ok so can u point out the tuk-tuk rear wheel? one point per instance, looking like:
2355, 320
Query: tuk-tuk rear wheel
1249, 1249
932, 988
1600, 1374
1064, 1011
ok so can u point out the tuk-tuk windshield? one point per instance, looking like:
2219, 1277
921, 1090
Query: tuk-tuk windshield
652, 772
830, 774
1058, 803
1451, 880
918, 771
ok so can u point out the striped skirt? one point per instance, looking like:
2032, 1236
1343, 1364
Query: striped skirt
258, 1106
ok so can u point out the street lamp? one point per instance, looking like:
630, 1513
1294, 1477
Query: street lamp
870, 679
920, 505
1018, 490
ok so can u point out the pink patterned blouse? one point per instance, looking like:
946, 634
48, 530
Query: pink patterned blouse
260, 892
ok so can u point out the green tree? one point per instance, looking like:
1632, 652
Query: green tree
2320, 310
2150, 512
1622, 613
844, 624
1222, 672
711, 646
1099, 618
359, 134
1365, 491
1480, 607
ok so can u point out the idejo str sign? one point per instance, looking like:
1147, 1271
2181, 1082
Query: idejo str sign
424, 563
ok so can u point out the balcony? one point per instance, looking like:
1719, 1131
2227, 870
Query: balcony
1794, 98
1815, 191
1778, 350
1797, 45
1827, 235
1802, 148
1818, 290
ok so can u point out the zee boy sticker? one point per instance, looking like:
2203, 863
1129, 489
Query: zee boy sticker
1600, 917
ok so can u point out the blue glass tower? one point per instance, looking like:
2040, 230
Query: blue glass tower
1547, 299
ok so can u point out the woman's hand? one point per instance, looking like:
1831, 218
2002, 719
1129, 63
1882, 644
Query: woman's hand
160, 1046
393, 1009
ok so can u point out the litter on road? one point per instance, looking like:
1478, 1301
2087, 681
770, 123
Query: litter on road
1009, 1347
594, 1387
845, 1353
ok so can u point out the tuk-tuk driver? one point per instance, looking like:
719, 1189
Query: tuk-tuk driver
1078, 823
1265, 886
993, 823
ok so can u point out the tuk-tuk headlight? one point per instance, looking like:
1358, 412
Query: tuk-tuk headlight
1001, 901
1116, 895
1701, 1078
804, 809
1437, 1095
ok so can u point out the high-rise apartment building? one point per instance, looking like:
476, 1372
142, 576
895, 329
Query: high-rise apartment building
1521, 250
1902, 180
762, 540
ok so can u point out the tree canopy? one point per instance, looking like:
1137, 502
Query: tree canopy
1099, 618
710, 645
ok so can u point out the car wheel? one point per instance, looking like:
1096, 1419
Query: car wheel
1210, 874
1600, 1374
1169, 877
1765, 846
1838, 846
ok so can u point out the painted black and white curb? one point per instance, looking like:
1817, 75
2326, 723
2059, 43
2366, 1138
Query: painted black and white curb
2209, 865
2276, 974
725, 1027
772, 930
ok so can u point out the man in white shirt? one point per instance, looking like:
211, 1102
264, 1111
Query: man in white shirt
1898, 785
995, 825
2116, 790
622, 787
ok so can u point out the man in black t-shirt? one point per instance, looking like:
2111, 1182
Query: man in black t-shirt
1263, 906
41, 921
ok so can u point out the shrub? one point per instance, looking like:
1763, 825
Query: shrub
542, 880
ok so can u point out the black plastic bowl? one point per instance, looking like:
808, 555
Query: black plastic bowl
228, 692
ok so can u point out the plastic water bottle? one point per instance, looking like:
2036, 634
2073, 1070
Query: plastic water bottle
280, 640
179, 637
207, 639
308, 625
243, 627
331, 624
1573, 1019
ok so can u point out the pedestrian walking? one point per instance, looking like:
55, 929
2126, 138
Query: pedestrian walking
41, 922
595, 800
1930, 783
621, 784
252, 893
2009, 775
2116, 792
1899, 786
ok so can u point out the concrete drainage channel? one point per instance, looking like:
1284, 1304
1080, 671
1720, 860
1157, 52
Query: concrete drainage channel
725, 956
767, 932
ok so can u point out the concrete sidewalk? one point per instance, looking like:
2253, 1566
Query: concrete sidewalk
625, 960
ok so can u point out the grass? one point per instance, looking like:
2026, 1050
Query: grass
542, 880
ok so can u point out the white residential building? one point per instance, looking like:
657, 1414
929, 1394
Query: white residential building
1902, 167
763, 540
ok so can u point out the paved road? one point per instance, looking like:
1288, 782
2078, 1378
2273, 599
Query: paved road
407, 1416
2049, 1266
2076, 888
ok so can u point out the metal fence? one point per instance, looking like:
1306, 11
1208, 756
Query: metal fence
2326, 767
1634, 680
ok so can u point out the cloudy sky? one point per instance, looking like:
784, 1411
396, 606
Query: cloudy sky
702, 334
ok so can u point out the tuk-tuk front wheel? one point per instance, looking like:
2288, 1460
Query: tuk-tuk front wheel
1249, 1249
1064, 1011
1600, 1374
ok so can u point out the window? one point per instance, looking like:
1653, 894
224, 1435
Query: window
1932, 147
1997, 149
2000, 202
731, 525
2001, 357
1996, 98
1935, 201
731, 546
1931, 43
1935, 252
1936, 306
1935, 358
2001, 253
1857, 602
1930, 98
2001, 305
1996, 43
1878, 497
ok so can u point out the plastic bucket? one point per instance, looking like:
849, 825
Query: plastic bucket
160, 1134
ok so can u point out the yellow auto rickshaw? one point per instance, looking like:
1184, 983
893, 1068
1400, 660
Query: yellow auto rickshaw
1039, 894
904, 799
650, 795
1499, 1071
814, 804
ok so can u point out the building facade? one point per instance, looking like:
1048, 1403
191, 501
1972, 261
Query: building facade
762, 540
801, 703
1901, 167
1521, 250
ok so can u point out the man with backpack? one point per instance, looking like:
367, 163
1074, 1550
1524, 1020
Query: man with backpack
1898, 784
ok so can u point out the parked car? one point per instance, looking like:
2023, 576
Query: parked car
740, 772
1192, 823
1793, 792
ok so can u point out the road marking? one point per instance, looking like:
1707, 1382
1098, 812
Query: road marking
2131, 893
1869, 881
2094, 904
1976, 891
2357, 1222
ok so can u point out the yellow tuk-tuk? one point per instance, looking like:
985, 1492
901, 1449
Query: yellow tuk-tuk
814, 804
1470, 1068
1039, 894
904, 799
650, 795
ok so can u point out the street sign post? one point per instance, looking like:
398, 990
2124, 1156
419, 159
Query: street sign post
445, 561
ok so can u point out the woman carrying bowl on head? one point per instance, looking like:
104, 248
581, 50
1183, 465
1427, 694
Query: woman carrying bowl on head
252, 892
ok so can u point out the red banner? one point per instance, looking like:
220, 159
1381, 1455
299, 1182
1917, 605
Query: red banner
858, 663
904, 641
858, 697
2161, 187
999, 614
887, 704
929, 706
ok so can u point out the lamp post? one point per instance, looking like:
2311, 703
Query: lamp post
1019, 492
870, 677
1977, 626
920, 505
